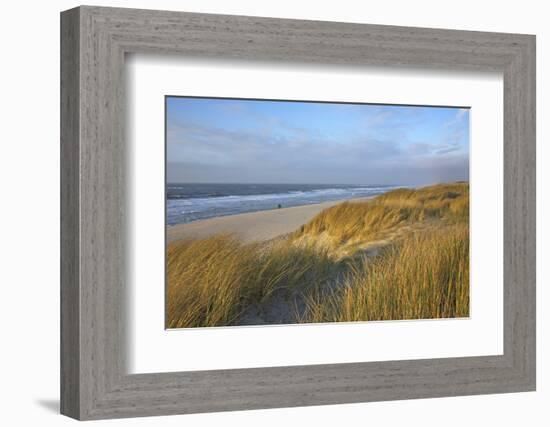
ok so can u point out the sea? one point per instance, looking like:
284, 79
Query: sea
193, 202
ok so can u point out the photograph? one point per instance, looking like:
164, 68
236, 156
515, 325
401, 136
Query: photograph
286, 212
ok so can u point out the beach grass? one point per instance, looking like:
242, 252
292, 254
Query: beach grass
327, 269
424, 276
210, 282
373, 219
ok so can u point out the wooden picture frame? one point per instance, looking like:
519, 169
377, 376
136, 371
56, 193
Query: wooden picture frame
94, 382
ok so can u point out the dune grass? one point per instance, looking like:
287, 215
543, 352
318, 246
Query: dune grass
372, 219
421, 272
425, 276
210, 282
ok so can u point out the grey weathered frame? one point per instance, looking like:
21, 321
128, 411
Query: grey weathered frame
94, 41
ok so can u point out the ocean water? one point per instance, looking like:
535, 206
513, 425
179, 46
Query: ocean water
192, 202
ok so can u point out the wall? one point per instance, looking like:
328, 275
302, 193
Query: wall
30, 194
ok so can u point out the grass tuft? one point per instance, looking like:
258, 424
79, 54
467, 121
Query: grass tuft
210, 282
372, 219
425, 276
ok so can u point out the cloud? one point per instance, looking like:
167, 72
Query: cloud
201, 154
459, 117
383, 149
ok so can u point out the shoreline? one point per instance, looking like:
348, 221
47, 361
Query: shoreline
253, 226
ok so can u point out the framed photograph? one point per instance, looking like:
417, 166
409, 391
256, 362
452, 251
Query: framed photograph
262, 213
292, 212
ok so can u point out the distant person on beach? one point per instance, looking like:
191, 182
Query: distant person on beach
279, 206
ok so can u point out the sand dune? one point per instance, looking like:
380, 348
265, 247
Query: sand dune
252, 226
333, 268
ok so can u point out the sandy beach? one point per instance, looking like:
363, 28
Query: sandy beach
252, 226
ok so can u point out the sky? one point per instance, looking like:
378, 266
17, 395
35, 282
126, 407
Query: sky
213, 140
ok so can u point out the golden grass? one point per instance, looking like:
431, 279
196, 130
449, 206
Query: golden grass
210, 282
425, 276
374, 218
421, 272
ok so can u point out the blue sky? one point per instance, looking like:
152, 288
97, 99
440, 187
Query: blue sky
244, 141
